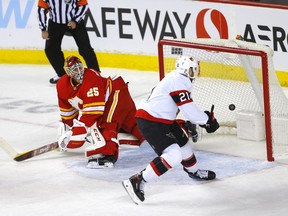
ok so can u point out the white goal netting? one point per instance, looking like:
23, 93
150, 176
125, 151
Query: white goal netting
235, 72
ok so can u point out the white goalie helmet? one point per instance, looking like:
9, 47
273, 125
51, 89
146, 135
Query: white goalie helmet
184, 63
74, 68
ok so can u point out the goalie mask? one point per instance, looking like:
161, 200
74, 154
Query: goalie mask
187, 66
74, 68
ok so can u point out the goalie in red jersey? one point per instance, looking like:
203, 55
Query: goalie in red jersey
94, 106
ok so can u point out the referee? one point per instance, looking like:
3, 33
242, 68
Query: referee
64, 16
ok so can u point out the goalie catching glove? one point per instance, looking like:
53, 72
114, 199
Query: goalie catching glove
62, 129
212, 125
73, 138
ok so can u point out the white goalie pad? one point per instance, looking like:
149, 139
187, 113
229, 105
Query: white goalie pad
126, 136
97, 139
127, 139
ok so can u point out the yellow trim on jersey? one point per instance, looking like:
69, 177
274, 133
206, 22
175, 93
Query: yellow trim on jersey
66, 110
93, 113
109, 86
113, 106
69, 117
94, 104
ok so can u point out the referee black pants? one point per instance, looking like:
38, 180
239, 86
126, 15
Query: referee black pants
54, 52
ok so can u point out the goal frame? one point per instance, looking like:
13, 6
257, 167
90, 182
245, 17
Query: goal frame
265, 76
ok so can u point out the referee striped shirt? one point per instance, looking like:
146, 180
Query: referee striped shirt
60, 11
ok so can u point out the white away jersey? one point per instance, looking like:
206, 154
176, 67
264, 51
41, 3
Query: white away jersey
171, 94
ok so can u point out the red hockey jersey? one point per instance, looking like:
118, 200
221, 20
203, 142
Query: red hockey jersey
84, 101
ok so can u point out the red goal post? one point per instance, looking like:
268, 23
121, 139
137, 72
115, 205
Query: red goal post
243, 69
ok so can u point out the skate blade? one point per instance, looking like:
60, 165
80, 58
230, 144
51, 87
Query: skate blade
129, 189
95, 165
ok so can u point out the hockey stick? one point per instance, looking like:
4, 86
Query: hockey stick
50, 147
212, 112
7, 148
29, 154
36, 152
53, 146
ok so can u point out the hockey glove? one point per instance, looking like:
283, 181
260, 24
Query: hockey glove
79, 133
63, 140
191, 128
62, 129
212, 124
74, 138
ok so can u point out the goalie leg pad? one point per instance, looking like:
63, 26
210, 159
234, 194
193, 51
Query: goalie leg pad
111, 148
104, 142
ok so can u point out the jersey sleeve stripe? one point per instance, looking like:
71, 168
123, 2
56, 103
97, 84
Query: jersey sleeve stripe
181, 97
92, 113
68, 117
94, 104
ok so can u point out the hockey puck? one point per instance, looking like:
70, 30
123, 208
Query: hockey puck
232, 107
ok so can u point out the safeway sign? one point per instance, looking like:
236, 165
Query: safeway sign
136, 26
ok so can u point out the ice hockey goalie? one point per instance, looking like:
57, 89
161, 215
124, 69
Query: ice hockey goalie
95, 106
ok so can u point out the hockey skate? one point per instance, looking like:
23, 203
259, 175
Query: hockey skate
134, 187
107, 161
201, 174
54, 80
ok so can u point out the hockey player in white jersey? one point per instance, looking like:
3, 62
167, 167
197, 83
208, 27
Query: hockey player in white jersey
156, 119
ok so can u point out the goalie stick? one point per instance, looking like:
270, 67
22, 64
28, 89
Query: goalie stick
29, 154
43, 149
36, 152
7, 148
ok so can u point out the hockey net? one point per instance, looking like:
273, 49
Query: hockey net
234, 72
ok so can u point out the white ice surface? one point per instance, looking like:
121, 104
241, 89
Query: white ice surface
59, 184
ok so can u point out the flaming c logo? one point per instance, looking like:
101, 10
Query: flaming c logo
217, 19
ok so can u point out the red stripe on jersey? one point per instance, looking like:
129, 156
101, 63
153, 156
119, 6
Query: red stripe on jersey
177, 92
145, 115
